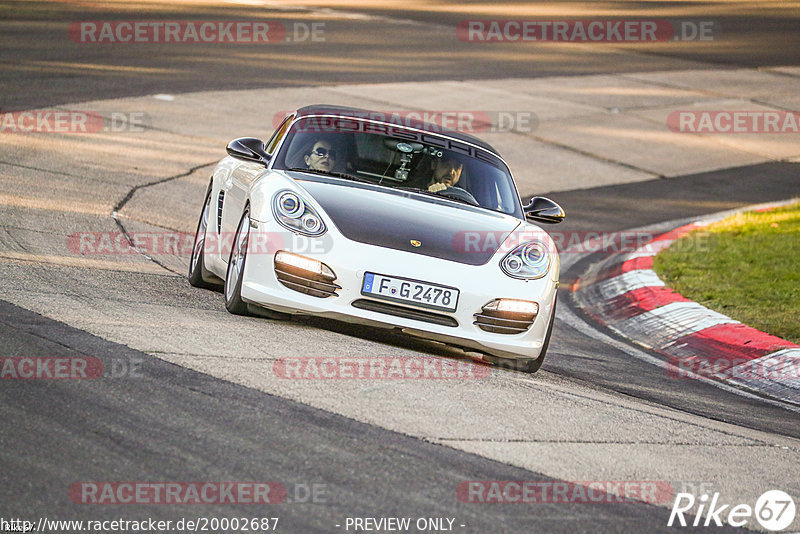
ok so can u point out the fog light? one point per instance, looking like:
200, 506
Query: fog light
524, 307
507, 316
305, 275
306, 264
518, 306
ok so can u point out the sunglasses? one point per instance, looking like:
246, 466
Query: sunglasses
322, 152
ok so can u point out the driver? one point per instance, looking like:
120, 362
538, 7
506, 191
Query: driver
446, 173
322, 156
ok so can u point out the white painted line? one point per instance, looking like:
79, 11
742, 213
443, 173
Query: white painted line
626, 282
664, 325
649, 249
654, 247
640, 253
786, 356
776, 374
618, 259
168, 98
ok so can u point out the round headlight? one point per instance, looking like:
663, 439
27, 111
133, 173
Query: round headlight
295, 214
527, 261
533, 255
290, 205
311, 223
513, 264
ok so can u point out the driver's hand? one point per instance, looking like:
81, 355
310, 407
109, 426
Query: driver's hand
438, 186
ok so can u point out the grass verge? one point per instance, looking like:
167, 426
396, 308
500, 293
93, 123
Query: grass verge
746, 266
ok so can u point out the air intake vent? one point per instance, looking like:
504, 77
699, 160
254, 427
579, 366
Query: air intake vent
219, 210
408, 313
305, 275
500, 318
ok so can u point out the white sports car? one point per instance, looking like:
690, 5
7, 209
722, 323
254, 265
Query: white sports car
409, 226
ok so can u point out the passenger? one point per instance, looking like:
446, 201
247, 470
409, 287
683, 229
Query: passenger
322, 156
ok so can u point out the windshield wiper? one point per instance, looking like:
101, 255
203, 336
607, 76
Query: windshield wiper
331, 173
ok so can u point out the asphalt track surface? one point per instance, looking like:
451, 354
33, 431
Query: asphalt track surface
177, 424
39, 68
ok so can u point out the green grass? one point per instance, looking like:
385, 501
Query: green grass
747, 267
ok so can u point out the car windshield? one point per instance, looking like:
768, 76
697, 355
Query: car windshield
396, 157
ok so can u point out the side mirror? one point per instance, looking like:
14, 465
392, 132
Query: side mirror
544, 210
248, 149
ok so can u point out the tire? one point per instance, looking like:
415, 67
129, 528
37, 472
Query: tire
527, 365
235, 272
199, 275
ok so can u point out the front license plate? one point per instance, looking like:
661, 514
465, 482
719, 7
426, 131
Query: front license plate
408, 291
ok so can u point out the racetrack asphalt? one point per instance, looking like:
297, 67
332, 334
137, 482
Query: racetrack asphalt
243, 435
178, 424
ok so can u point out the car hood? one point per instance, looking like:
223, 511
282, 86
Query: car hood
408, 221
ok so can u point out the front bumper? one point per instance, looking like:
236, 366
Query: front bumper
350, 260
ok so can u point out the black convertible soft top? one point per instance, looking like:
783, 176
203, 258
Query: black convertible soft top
321, 109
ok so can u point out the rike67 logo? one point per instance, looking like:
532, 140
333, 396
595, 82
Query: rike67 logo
774, 510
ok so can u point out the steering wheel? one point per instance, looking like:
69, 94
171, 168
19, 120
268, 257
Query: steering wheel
458, 194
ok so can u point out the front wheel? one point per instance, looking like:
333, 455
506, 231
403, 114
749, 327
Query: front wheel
235, 272
199, 275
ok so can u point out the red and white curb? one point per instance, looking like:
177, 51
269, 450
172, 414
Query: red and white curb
625, 294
